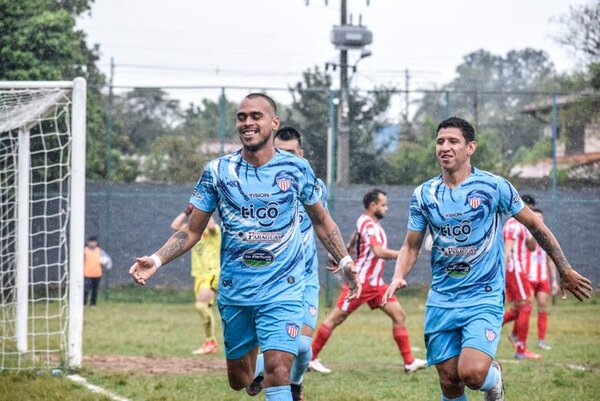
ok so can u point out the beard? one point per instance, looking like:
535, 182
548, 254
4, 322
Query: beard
379, 215
257, 146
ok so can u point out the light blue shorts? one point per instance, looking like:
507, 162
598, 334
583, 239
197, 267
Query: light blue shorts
449, 330
274, 326
311, 306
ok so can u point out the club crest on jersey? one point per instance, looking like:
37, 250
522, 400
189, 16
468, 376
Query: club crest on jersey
284, 184
474, 201
490, 335
293, 329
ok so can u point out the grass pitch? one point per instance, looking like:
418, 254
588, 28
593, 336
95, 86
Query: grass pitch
139, 346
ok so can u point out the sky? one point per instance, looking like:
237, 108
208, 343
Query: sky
269, 43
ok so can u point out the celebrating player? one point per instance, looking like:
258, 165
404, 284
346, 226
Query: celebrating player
205, 270
290, 140
259, 192
464, 311
371, 245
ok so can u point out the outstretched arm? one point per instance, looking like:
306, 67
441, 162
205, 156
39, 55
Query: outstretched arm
405, 262
570, 281
179, 243
331, 238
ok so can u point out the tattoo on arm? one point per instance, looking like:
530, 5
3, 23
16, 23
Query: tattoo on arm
549, 244
174, 247
334, 243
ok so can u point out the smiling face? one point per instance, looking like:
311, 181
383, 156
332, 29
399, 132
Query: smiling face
452, 149
255, 123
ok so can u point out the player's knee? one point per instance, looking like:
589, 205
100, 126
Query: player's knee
473, 376
203, 308
236, 383
449, 381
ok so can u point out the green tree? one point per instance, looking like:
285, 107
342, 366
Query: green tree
582, 30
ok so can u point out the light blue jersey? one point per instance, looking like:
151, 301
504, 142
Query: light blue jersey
310, 247
262, 258
467, 257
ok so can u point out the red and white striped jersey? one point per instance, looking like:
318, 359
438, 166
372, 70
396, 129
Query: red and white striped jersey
519, 259
369, 266
538, 265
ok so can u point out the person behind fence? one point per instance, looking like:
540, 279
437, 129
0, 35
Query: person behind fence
463, 317
205, 263
259, 192
94, 261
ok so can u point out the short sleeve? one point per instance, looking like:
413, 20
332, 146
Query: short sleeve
509, 200
323, 192
204, 196
416, 218
310, 190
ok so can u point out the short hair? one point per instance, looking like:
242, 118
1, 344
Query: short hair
463, 125
528, 199
264, 96
372, 196
288, 133
92, 238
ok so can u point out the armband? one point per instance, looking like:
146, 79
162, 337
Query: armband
344, 261
156, 259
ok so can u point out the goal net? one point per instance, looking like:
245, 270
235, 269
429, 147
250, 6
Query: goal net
42, 204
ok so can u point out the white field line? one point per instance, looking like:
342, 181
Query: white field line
95, 389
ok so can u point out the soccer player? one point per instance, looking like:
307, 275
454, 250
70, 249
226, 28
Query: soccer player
518, 244
289, 139
372, 250
205, 270
464, 310
259, 192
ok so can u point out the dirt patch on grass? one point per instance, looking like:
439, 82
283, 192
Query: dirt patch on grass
153, 365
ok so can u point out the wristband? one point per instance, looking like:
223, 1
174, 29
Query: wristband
156, 259
344, 261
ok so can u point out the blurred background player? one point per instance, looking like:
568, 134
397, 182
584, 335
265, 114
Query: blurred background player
94, 260
463, 317
206, 264
518, 244
372, 250
289, 139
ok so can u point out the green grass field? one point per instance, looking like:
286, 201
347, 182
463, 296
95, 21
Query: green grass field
364, 358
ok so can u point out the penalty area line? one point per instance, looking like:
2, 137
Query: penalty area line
95, 389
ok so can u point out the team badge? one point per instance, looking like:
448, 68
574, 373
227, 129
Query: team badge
293, 329
474, 201
283, 184
312, 310
490, 335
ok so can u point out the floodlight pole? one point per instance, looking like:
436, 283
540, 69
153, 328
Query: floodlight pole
343, 142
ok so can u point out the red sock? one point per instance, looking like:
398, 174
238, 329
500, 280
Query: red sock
542, 322
323, 334
510, 315
401, 337
523, 326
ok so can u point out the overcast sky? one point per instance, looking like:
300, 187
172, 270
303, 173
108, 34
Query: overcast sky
269, 43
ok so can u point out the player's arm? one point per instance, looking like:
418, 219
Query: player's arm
177, 245
553, 277
331, 238
508, 247
405, 262
570, 281
211, 227
385, 253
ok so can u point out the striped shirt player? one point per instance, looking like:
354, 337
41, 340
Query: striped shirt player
518, 261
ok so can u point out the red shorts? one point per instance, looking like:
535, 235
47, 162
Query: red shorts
369, 295
541, 286
518, 287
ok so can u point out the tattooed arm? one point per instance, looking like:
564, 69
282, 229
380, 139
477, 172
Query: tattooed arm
571, 281
331, 238
179, 243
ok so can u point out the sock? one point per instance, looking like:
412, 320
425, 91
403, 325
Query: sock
523, 327
510, 315
491, 379
323, 334
208, 319
300, 363
259, 370
278, 393
542, 323
462, 397
401, 337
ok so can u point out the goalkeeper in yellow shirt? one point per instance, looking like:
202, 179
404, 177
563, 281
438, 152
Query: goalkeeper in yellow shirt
205, 270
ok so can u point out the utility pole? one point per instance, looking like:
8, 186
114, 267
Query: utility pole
406, 90
343, 146
108, 172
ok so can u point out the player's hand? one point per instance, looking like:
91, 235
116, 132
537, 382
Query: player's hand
332, 265
351, 277
554, 288
576, 284
142, 270
397, 283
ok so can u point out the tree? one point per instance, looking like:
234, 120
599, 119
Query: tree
582, 34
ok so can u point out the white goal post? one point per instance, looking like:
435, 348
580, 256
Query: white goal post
42, 223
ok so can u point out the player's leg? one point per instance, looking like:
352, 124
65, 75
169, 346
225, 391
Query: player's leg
542, 296
524, 301
205, 294
94, 290
512, 313
452, 386
87, 288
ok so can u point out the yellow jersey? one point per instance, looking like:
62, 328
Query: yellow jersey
206, 254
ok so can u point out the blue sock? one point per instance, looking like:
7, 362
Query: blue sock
279, 393
463, 397
259, 370
300, 363
491, 379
